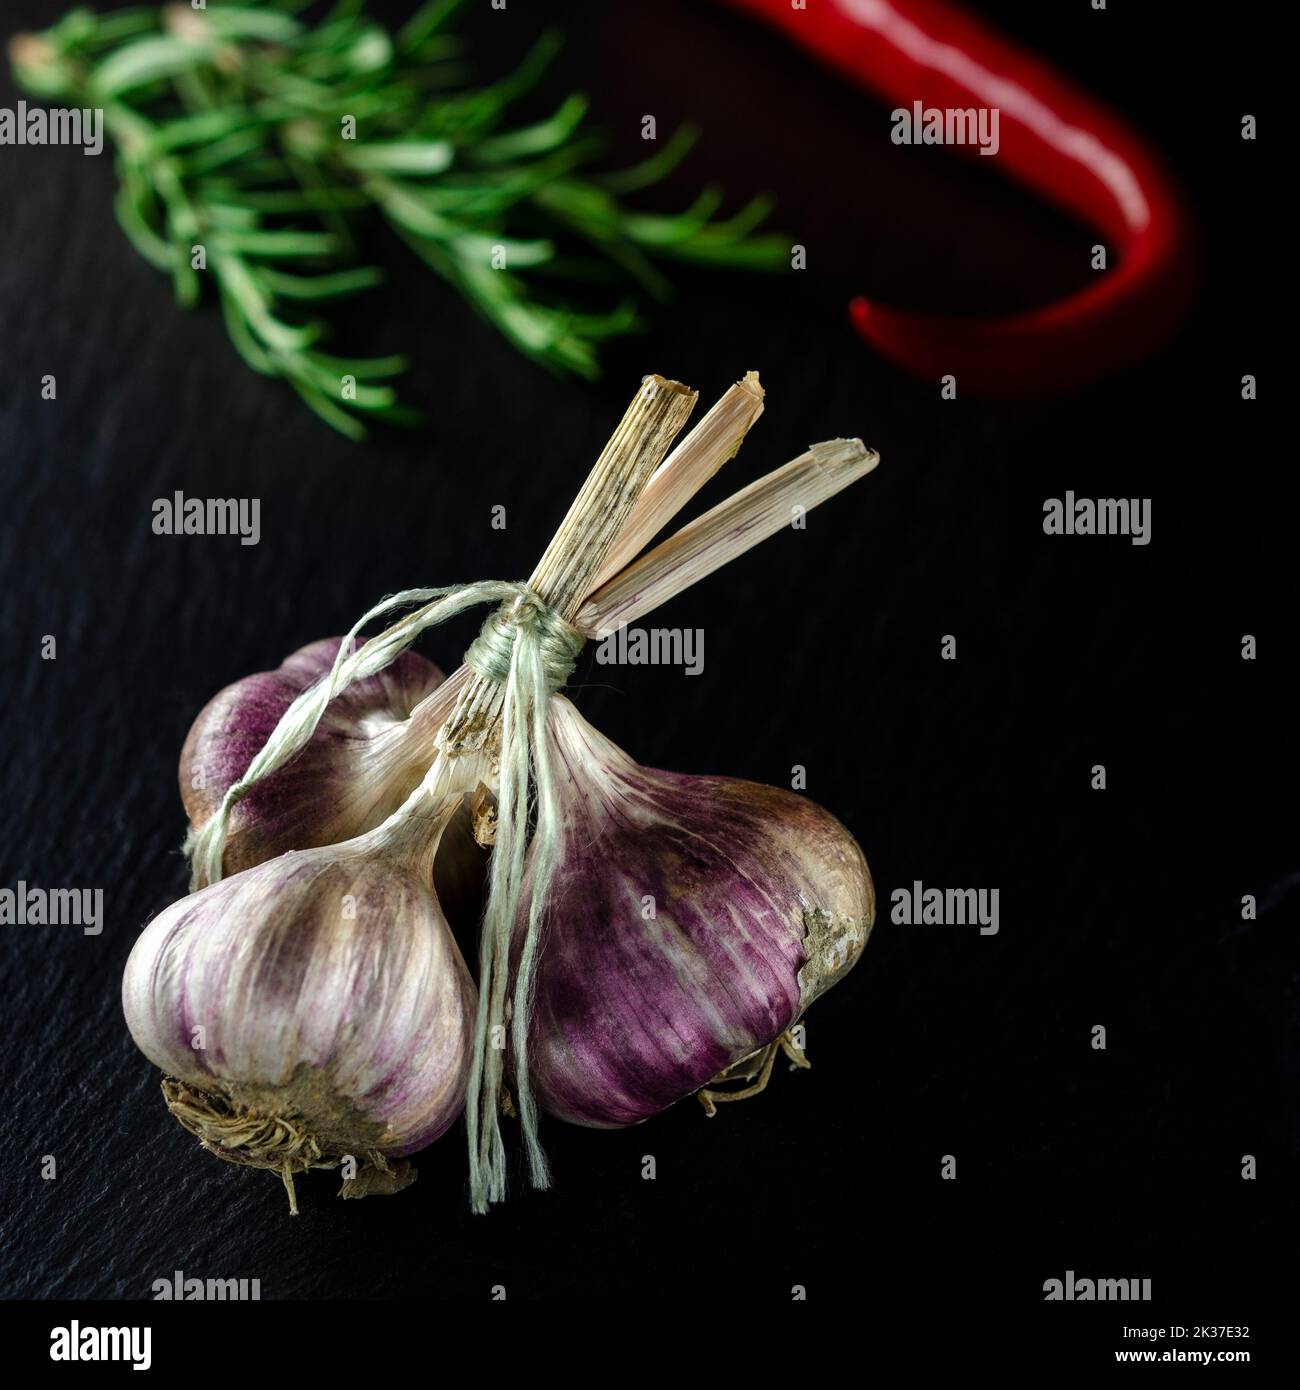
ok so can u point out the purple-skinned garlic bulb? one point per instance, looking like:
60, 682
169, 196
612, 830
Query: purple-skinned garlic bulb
374, 743
313, 1009
347, 775
690, 924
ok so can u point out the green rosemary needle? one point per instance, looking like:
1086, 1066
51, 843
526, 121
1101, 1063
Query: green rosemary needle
249, 143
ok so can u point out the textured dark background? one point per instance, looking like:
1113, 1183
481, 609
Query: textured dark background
1119, 907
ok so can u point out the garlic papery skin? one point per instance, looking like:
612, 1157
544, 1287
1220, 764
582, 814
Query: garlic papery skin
691, 922
313, 1007
373, 745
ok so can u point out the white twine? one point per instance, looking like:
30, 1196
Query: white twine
530, 651
532, 655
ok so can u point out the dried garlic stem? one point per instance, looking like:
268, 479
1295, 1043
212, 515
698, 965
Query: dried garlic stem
730, 529
578, 550
685, 471
600, 510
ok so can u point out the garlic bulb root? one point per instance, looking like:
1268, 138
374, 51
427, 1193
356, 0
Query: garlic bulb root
755, 1069
278, 1134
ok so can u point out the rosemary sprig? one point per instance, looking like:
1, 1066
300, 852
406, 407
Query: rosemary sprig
249, 143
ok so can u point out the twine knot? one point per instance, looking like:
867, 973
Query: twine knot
557, 643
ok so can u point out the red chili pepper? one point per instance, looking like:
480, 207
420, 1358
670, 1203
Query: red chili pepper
1055, 139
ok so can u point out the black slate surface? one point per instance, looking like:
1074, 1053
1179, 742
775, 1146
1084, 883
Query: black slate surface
1120, 907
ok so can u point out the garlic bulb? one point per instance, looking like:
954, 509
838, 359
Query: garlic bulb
372, 747
313, 1007
690, 924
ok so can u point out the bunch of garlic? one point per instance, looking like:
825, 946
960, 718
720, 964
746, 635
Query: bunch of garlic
311, 1008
